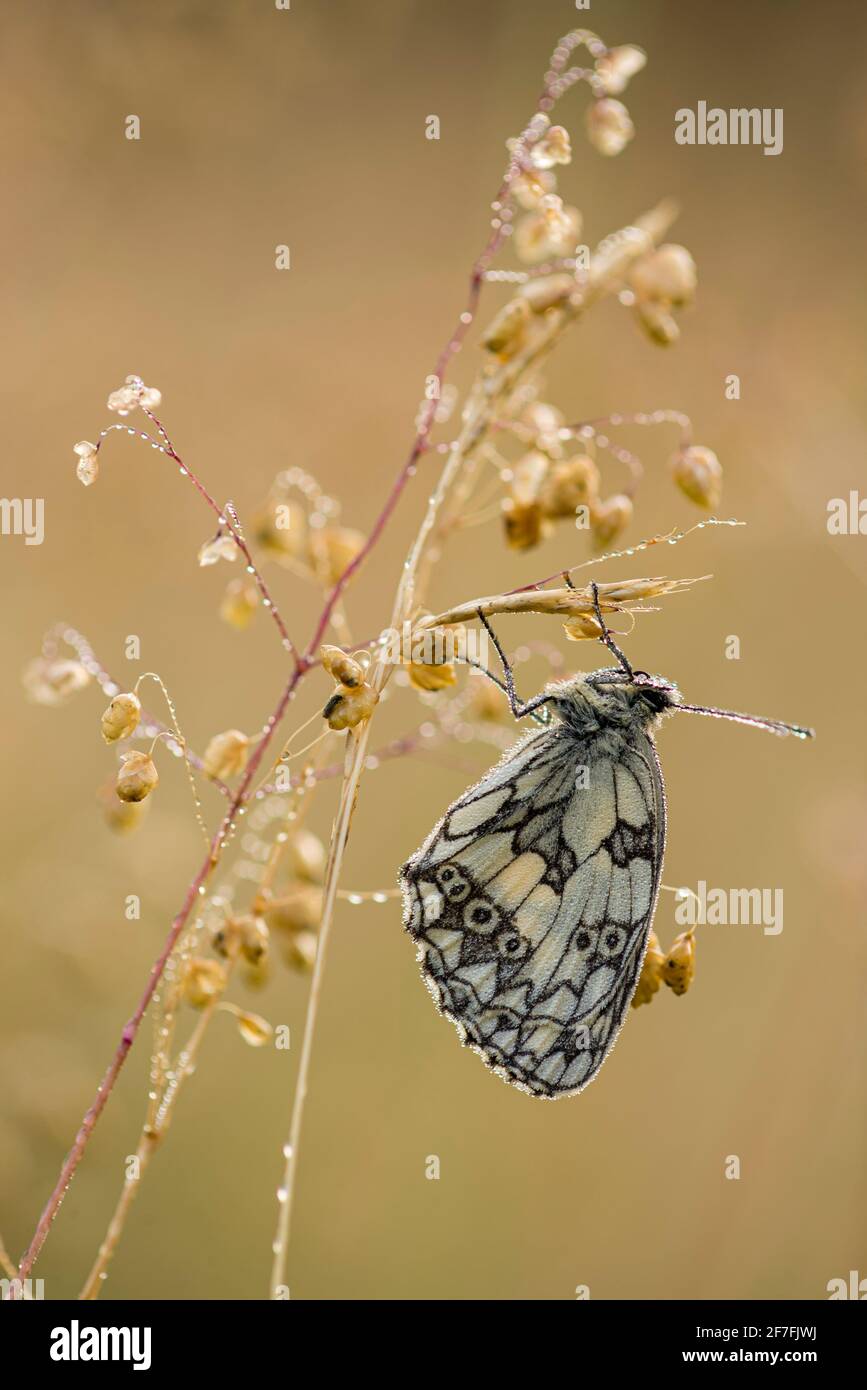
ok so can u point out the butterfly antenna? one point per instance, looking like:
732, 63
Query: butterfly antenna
605, 636
518, 707
773, 726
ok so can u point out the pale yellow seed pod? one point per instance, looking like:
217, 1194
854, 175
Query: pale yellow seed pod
487, 704
204, 980
226, 755
658, 322
542, 418
609, 126
306, 856
553, 148
121, 718
332, 551
247, 935
618, 65
348, 708
552, 230
665, 276
432, 677
223, 547
609, 517
299, 950
257, 976
678, 970
548, 291
525, 526
342, 668
299, 908
254, 938
137, 776
569, 484
651, 973
119, 816
528, 475
531, 186
239, 602
51, 681
255, 1031
698, 473
87, 468
582, 627
507, 333
281, 529
226, 938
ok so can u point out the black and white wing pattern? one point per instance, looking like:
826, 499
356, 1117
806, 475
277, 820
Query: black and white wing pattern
531, 903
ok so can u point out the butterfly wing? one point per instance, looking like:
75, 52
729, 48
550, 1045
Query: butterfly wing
531, 903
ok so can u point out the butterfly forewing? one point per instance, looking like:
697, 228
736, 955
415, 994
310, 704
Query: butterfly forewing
531, 903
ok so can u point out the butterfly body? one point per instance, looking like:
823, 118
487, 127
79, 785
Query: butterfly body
531, 901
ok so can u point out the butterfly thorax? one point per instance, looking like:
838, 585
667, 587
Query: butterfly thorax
607, 703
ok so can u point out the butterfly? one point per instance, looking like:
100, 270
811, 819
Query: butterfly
531, 901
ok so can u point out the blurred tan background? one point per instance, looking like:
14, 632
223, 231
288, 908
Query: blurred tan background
261, 127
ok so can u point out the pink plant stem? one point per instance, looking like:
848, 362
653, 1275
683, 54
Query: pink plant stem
131, 1028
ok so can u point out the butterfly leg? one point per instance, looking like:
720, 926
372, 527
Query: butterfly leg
605, 636
518, 707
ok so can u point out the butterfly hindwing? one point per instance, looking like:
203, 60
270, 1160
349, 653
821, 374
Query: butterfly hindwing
531, 903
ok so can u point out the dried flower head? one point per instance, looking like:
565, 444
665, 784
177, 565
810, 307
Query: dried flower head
678, 970
121, 717
698, 473
609, 126
348, 708
134, 393
87, 469
137, 776
226, 754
